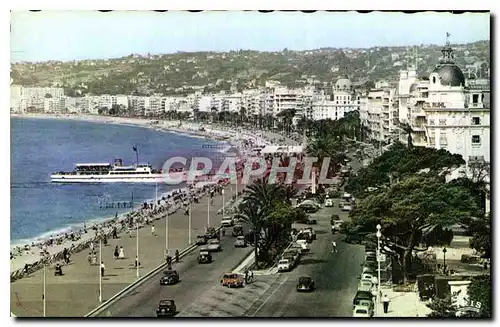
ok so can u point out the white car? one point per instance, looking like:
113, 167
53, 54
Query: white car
298, 247
346, 207
293, 253
284, 265
303, 245
227, 222
329, 203
311, 231
367, 277
362, 312
213, 245
365, 285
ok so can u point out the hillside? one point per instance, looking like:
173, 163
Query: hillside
183, 73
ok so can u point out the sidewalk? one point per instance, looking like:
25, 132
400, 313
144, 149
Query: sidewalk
76, 293
402, 304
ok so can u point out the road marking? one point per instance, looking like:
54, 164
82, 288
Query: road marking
267, 299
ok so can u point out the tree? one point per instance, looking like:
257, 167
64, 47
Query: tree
480, 291
442, 308
406, 128
408, 207
481, 235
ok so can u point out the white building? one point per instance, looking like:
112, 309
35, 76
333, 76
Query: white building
446, 112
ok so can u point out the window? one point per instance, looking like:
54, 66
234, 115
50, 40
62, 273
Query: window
476, 121
434, 80
431, 121
475, 98
442, 122
476, 139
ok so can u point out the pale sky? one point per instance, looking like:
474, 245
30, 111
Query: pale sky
75, 35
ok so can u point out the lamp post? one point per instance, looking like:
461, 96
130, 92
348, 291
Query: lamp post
379, 235
208, 211
223, 205
100, 270
44, 287
137, 248
166, 232
444, 260
189, 221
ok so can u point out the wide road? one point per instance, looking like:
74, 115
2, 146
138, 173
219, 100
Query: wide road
335, 276
195, 278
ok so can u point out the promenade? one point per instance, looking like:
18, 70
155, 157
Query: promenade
77, 292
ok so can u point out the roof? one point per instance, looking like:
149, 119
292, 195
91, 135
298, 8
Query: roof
93, 164
450, 74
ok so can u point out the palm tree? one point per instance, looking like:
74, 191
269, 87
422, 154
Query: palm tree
406, 128
254, 215
326, 147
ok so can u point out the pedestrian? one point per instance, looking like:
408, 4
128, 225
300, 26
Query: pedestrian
137, 263
115, 254
102, 268
121, 254
385, 301
129, 231
334, 247
91, 246
153, 230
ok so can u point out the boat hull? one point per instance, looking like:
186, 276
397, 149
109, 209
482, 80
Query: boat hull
146, 178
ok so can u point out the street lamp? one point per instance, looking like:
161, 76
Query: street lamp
223, 203
444, 260
379, 235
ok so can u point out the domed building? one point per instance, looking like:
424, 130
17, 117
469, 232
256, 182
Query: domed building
343, 83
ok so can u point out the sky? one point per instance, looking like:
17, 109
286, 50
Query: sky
77, 35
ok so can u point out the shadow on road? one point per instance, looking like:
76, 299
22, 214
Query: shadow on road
311, 261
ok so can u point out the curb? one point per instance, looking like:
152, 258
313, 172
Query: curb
138, 282
243, 263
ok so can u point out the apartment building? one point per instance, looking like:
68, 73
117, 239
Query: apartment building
379, 112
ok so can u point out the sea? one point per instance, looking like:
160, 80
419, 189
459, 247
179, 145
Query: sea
40, 147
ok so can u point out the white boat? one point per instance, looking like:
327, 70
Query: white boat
116, 173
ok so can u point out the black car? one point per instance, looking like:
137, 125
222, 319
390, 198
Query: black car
169, 277
362, 295
204, 256
211, 233
166, 308
237, 230
305, 284
201, 240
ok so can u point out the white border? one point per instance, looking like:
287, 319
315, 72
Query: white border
180, 5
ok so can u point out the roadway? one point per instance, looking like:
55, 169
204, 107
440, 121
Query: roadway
195, 279
335, 276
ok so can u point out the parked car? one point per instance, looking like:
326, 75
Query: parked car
361, 312
232, 280
298, 247
303, 245
285, 265
362, 295
170, 277
311, 231
201, 240
334, 218
347, 207
204, 256
305, 284
365, 285
211, 233
367, 303
166, 308
227, 221
304, 236
367, 277
214, 245
240, 242
292, 252
237, 230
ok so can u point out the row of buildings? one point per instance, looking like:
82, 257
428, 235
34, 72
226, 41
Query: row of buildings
271, 100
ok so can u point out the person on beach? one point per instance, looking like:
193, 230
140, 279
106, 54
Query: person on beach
91, 245
115, 254
121, 254
153, 230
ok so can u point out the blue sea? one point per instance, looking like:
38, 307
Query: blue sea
40, 147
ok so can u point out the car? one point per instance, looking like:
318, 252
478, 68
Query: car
366, 277
227, 222
166, 308
334, 218
298, 247
311, 231
305, 284
361, 312
304, 236
292, 252
170, 277
362, 295
367, 303
201, 240
204, 256
303, 245
371, 257
232, 280
285, 265
211, 233
214, 246
240, 242
294, 261
365, 285
329, 202
347, 207
237, 230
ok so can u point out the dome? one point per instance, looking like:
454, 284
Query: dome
343, 82
450, 75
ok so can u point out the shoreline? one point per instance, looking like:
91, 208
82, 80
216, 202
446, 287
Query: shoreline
30, 248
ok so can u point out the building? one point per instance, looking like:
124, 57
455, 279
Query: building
379, 113
447, 112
